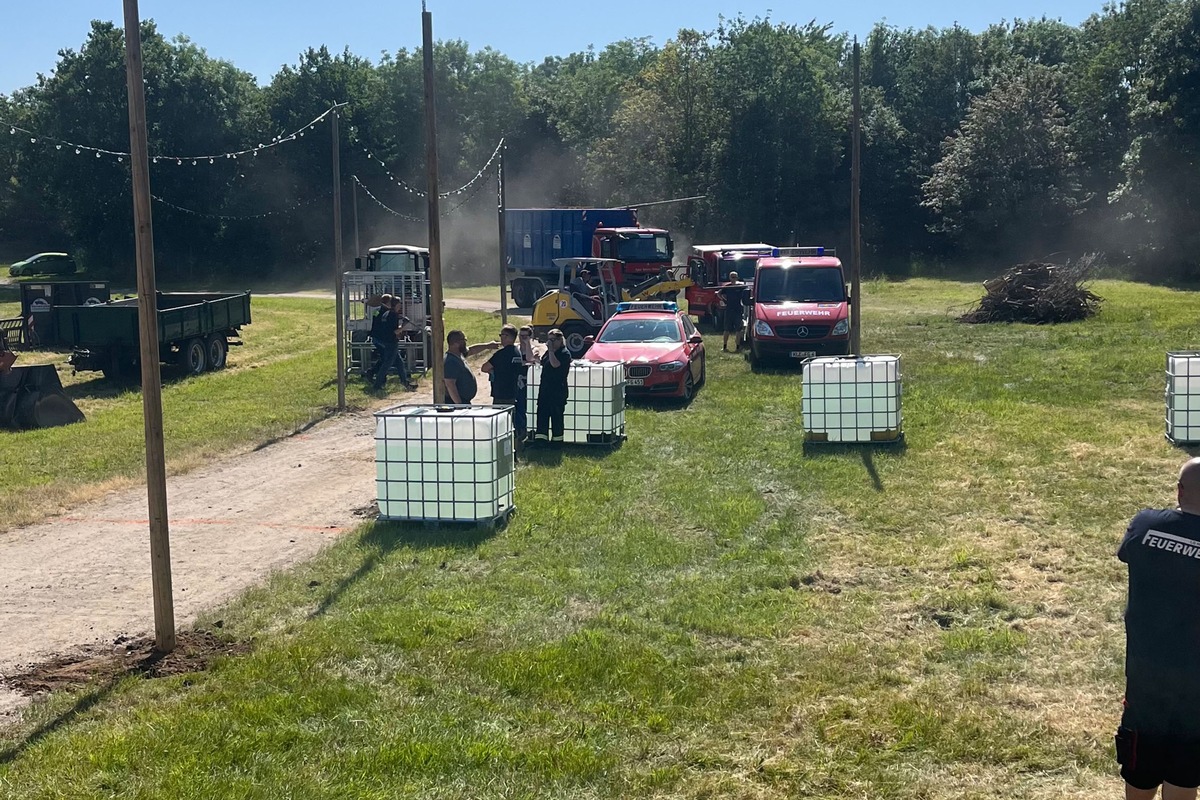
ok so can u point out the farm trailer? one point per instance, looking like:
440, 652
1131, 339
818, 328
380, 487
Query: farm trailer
195, 331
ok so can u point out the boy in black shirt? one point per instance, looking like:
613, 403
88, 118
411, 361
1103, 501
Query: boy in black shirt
1159, 738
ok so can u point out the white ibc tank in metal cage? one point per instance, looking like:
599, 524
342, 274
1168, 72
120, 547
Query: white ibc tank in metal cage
1183, 397
444, 463
595, 401
852, 399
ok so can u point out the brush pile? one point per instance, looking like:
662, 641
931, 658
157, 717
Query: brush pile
1038, 293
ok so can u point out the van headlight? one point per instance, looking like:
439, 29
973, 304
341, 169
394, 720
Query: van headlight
842, 328
761, 328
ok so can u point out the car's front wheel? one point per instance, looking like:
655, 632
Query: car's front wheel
689, 388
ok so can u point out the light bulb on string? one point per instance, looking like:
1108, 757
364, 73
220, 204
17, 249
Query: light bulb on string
58, 147
77, 151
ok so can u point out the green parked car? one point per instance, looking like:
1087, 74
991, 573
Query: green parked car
44, 264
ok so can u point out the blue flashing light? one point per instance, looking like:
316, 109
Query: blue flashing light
647, 305
820, 251
774, 252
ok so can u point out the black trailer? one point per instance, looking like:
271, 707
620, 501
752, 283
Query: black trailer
195, 331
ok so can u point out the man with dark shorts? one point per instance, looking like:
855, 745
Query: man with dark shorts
1158, 742
730, 301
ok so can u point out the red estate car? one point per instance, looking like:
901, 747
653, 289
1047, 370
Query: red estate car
662, 351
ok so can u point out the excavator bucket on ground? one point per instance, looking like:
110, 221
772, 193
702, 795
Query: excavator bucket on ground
33, 397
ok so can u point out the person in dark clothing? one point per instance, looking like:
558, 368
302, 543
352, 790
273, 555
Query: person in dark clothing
385, 333
731, 300
457, 376
507, 369
552, 393
1158, 742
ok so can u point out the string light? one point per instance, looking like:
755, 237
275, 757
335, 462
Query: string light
396, 213
383, 205
442, 195
179, 159
232, 217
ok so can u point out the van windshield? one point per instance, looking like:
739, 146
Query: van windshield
799, 285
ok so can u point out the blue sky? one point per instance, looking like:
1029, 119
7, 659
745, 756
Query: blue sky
261, 35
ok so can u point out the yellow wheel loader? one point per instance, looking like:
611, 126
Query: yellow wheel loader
580, 308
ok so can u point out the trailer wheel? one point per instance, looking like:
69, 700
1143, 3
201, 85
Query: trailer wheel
218, 350
195, 357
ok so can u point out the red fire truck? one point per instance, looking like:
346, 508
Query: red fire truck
709, 266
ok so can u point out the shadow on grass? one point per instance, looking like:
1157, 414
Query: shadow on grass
865, 451
385, 537
84, 703
1192, 449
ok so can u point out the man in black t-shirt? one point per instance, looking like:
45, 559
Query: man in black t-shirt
458, 377
730, 302
1159, 738
507, 370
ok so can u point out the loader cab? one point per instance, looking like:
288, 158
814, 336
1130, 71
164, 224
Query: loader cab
578, 314
395, 258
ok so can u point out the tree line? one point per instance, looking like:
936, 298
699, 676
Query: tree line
1029, 139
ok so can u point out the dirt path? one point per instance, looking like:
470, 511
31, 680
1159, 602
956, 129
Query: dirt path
83, 578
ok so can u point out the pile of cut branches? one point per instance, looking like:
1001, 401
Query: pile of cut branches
1038, 293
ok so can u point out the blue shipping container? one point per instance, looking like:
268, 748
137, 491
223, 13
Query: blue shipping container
537, 236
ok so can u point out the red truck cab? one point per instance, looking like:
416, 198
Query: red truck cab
644, 252
709, 266
800, 307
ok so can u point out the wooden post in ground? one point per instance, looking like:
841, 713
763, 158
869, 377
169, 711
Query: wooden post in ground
338, 303
437, 306
855, 215
156, 465
503, 237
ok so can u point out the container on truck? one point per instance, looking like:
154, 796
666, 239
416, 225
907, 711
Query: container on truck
534, 237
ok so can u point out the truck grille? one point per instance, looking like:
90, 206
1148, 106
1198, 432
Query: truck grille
638, 371
801, 331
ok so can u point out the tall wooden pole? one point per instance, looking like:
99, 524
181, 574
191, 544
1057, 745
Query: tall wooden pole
156, 464
855, 218
437, 306
354, 207
337, 263
503, 237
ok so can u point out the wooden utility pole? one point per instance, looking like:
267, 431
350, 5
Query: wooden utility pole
437, 306
340, 325
156, 463
855, 217
354, 207
503, 236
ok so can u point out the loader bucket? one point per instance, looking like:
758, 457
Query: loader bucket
33, 397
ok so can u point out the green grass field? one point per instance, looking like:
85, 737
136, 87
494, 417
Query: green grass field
713, 610
281, 379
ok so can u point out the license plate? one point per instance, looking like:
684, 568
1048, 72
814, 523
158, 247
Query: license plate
635, 381
803, 354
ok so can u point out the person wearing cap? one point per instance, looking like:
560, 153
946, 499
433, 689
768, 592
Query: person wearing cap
729, 300
1158, 741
